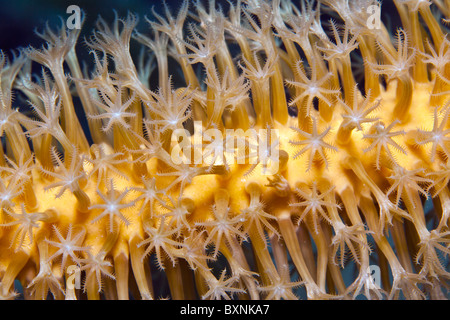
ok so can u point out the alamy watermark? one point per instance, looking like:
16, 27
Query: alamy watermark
374, 273
214, 147
73, 281
74, 20
374, 19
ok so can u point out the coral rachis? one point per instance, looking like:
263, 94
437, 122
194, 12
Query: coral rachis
375, 151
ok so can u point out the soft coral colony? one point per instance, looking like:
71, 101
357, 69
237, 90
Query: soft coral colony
359, 115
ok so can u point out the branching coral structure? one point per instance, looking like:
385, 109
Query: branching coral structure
305, 146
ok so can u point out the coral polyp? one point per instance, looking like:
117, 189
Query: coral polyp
272, 150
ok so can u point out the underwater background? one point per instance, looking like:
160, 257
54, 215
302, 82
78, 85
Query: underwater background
19, 18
